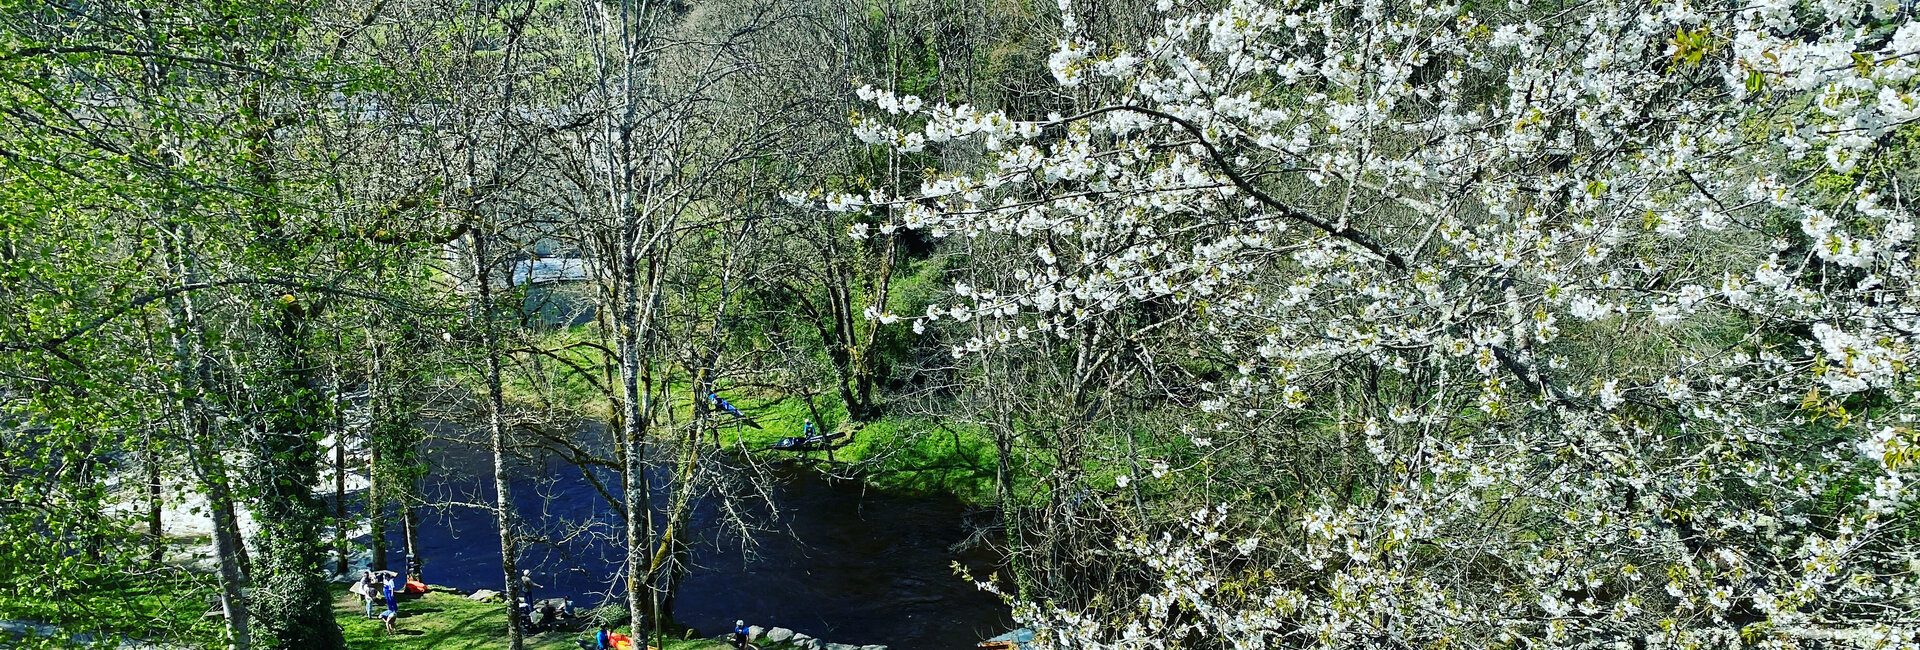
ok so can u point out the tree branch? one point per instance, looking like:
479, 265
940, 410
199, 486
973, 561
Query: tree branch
1341, 231
56, 50
141, 301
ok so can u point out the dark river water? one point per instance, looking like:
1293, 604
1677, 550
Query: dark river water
831, 559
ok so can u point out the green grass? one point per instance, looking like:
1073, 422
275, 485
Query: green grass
162, 604
443, 620
557, 381
893, 453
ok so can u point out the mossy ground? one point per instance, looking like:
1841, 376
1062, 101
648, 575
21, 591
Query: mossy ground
447, 621
895, 452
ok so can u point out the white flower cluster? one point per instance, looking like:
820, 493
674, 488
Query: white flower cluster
1637, 281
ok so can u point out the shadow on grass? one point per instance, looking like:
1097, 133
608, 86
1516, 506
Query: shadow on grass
470, 627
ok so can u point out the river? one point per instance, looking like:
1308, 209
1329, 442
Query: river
831, 559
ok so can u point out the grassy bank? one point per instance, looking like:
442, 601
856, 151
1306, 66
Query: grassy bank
895, 452
444, 621
892, 453
164, 604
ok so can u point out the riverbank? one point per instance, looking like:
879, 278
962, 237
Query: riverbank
440, 619
896, 452
445, 620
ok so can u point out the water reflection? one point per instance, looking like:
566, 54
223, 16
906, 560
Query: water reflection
839, 562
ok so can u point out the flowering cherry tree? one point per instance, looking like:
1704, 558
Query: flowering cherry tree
1638, 277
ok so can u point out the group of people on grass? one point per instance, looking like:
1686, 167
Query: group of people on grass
378, 585
386, 586
608, 639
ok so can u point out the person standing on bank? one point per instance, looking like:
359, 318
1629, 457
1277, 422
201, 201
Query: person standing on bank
367, 590
739, 635
526, 586
390, 617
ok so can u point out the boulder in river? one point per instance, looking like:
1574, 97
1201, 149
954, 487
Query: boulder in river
779, 635
754, 632
873, 647
842, 646
484, 594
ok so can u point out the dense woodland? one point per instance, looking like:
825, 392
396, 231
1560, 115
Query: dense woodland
1254, 323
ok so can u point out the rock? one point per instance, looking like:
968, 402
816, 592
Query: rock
813, 644
873, 647
779, 635
799, 638
842, 646
754, 632
484, 594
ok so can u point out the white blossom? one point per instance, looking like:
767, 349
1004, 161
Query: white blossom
1507, 218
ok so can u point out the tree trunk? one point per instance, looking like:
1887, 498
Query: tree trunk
227, 550
376, 508
636, 320
497, 426
376, 514
339, 483
665, 567
229, 526
293, 600
211, 472
1003, 439
410, 527
201, 452
156, 534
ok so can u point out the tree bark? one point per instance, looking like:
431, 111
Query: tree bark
293, 600
666, 566
339, 483
229, 526
497, 427
376, 510
156, 534
636, 341
376, 514
201, 452
410, 527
